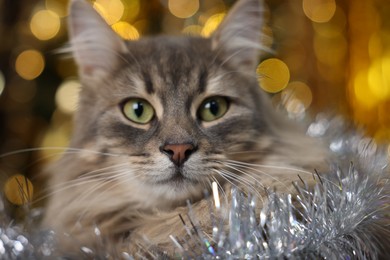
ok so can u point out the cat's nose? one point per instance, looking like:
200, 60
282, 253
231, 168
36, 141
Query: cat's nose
178, 153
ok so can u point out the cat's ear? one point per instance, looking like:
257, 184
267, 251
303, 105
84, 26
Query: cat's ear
238, 37
95, 46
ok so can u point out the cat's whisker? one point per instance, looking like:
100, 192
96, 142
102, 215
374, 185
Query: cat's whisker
239, 163
78, 182
221, 189
244, 187
114, 179
223, 163
100, 172
65, 149
225, 178
293, 169
108, 185
234, 177
95, 174
251, 152
235, 167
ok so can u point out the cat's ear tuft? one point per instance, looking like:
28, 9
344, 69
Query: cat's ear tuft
239, 35
95, 46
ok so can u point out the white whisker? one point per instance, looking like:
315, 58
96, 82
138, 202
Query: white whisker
66, 149
234, 167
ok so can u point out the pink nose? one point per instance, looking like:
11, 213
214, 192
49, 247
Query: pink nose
178, 153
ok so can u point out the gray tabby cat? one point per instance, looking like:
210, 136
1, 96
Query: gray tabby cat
161, 118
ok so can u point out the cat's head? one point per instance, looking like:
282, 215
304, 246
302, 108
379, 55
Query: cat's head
173, 109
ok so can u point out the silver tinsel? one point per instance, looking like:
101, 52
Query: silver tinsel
345, 215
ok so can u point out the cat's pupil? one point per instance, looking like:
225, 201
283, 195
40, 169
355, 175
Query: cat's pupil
213, 106
138, 108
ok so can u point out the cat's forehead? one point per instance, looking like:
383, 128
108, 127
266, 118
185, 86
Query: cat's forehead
180, 53
170, 65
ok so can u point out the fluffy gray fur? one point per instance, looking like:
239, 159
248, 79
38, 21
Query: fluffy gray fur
120, 180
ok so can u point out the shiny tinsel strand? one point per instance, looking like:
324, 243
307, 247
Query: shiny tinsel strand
345, 215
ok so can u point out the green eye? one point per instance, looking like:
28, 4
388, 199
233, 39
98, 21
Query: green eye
213, 108
138, 110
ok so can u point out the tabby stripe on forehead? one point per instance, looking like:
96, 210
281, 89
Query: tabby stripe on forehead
148, 83
203, 80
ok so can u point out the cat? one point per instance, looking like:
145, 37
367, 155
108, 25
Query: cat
161, 118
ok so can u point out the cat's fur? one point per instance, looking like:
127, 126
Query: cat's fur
115, 175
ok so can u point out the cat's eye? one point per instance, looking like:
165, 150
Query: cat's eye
138, 110
213, 108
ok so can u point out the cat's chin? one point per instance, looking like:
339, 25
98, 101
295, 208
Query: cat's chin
176, 190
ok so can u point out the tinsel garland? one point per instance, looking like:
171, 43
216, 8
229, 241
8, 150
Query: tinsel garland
345, 215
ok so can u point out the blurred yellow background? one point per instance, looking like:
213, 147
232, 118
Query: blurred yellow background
328, 56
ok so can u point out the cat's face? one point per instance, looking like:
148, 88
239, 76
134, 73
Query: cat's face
172, 108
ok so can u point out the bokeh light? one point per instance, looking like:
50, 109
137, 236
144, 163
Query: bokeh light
18, 190
183, 8
112, 11
45, 24
132, 10
212, 24
2, 83
379, 78
29, 64
319, 11
193, 30
273, 74
299, 91
363, 94
126, 30
67, 96
330, 51
56, 137
60, 7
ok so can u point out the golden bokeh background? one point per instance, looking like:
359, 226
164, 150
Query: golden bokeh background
328, 55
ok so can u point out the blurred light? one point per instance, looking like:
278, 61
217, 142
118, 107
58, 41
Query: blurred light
295, 108
273, 75
193, 30
126, 30
57, 136
383, 134
334, 28
2, 82
142, 25
297, 91
45, 24
132, 8
330, 51
384, 115
67, 96
379, 78
183, 8
295, 56
375, 47
18, 189
29, 64
112, 11
363, 94
319, 11
212, 24
60, 7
